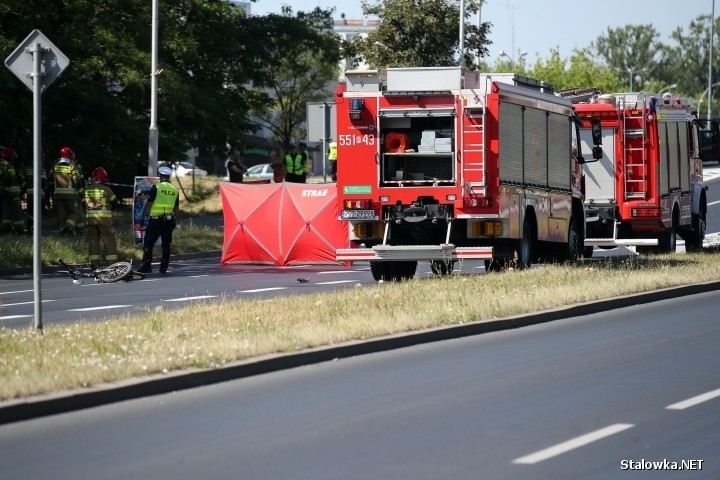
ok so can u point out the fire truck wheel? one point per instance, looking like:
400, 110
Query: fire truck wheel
526, 246
402, 270
442, 267
380, 271
694, 240
667, 242
573, 247
587, 252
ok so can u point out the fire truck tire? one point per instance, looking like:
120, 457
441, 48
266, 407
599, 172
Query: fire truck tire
588, 252
380, 271
403, 270
573, 247
694, 239
526, 244
442, 267
667, 241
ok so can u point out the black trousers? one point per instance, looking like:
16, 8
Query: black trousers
162, 229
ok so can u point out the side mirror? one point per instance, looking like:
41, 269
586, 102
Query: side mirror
596, 133
597, 153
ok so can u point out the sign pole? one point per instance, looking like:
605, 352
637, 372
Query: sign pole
37, 53
37, 63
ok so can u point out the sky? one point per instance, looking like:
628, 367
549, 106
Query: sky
535, 26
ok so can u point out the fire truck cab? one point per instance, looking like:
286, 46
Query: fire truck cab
444, 164
648, 187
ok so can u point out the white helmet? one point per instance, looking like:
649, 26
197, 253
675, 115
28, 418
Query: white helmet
165, 171
64, 161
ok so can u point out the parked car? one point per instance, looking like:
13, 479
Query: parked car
185, 169
709, 146
263, 171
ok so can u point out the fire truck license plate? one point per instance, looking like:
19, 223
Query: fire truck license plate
353, 214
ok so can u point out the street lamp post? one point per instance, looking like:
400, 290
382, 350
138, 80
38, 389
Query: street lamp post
632, 71
665, 89
703, 96
521, 55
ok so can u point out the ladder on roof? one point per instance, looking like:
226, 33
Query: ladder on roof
634, 119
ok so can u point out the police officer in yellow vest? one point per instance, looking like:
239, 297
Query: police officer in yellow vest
332, 158
99, 199
161, 210
294, 167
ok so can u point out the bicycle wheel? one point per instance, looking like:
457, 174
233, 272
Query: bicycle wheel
115, 272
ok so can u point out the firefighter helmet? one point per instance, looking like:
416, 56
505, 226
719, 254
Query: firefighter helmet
99, 175
8, 153
67, 152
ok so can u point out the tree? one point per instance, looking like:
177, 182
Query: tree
580, 71
631, 50
421, 33
101, 104
301, 57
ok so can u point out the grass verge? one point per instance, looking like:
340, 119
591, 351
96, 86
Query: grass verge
209, 335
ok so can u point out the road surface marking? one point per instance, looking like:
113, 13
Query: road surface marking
23, 303
713, 203
12, 317
691, 402
198, 276
106, 307
572, 444
338, 271
17, 291
262, 290
335, 282
187, 299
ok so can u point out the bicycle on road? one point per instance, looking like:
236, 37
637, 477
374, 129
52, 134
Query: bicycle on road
112, 273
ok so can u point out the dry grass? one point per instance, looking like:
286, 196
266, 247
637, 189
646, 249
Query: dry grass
209, 335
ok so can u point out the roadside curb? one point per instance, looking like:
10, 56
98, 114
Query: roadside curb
63, 402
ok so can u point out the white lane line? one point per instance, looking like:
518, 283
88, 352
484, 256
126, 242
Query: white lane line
24, 303
187, 299
340, 271
198, 276
106, 307
262, 290
16, 291
572, 444
12, 317
335, 282
691, 402
713, 203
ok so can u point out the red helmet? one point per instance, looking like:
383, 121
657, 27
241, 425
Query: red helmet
66, 152
8, 152
100, 175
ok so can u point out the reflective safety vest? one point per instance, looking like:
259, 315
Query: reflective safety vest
98, 198
10, 183
296, 166
65, 181
167, 196
30, 181
332, 154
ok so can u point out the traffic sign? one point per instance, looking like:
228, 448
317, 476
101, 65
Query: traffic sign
52, 62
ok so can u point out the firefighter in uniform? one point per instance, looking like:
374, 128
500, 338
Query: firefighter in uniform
293, 165
332, 158
66, 192
11, 213
161, 211
99, 200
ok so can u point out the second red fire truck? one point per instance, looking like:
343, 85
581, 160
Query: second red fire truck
445, 164
648, 187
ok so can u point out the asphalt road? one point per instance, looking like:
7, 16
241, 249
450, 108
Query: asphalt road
576, 398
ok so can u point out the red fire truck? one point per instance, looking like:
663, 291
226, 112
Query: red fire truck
444, 164
648, 187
